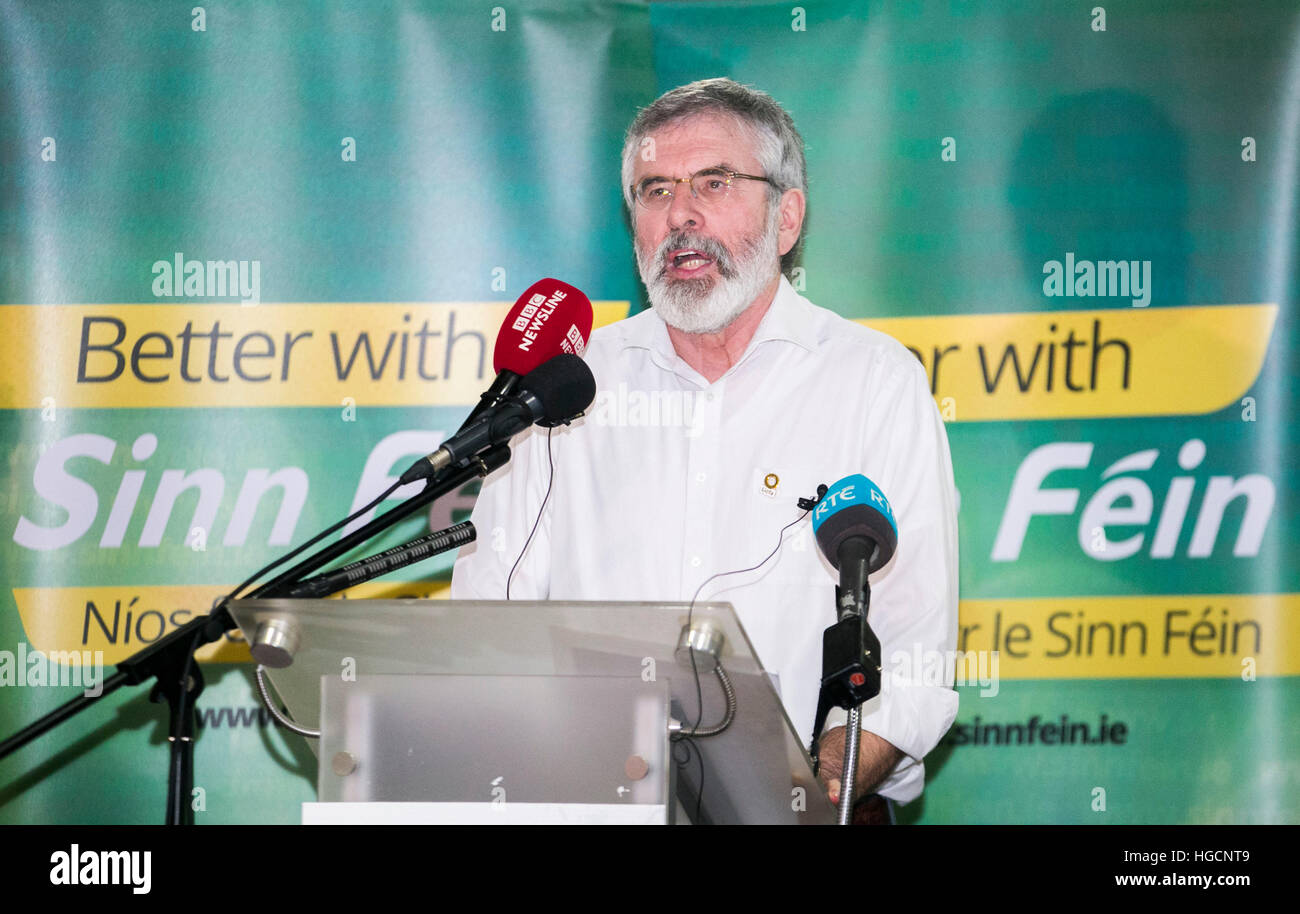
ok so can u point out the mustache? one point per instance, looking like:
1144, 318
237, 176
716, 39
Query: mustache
710, 247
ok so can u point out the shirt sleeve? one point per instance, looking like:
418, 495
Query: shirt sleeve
504, 516
913, 608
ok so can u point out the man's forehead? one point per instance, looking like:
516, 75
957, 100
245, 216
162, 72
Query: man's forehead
701, 141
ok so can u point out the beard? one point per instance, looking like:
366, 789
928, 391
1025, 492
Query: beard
707, 304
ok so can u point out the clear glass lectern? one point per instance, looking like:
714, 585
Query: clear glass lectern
493, 711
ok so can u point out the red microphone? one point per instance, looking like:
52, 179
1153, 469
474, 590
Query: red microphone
551, 317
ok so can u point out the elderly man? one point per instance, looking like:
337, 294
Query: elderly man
730, 399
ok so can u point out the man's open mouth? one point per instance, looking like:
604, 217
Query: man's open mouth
688, 260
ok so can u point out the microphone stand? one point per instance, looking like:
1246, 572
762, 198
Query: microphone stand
441, 483
170, 660
851, 666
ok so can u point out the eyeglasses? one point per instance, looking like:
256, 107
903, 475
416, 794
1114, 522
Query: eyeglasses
709, 185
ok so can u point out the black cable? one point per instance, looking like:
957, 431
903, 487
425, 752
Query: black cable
186, 705
695, 671
550, 459
699, 695
692, 747
234, 594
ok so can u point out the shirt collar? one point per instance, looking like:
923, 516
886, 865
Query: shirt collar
789, 319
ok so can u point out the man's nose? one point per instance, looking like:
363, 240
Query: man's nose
684, 209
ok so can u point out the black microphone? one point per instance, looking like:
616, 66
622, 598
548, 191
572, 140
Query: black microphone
374, 566
555, 392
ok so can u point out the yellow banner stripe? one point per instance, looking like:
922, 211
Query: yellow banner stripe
1195, 635
1037, 365
1111, 362
1182, 635
122, 620
206, 355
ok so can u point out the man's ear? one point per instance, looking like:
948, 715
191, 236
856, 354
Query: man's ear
792, 210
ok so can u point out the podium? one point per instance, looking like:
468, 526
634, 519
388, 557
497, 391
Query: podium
438, 711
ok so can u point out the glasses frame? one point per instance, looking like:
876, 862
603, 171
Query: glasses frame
689, 181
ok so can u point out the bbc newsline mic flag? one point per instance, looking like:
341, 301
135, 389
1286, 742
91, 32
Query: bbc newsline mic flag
253, 260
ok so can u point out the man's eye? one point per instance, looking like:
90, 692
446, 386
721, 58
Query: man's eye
656, 190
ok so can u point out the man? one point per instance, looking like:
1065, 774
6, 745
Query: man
719, 408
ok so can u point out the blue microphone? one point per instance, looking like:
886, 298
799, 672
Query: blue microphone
856, 531
854, 521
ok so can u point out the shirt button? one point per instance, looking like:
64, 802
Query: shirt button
709, 396
695, 561
700, 477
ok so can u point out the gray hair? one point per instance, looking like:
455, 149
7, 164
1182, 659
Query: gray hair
777, 143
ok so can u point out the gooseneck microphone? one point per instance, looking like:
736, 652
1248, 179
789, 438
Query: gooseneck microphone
556, 392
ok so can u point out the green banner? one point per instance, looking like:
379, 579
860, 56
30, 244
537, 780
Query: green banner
253, 258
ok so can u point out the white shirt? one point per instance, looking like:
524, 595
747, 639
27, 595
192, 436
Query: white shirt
670, 479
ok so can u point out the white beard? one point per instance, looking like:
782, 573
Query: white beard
709, 304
